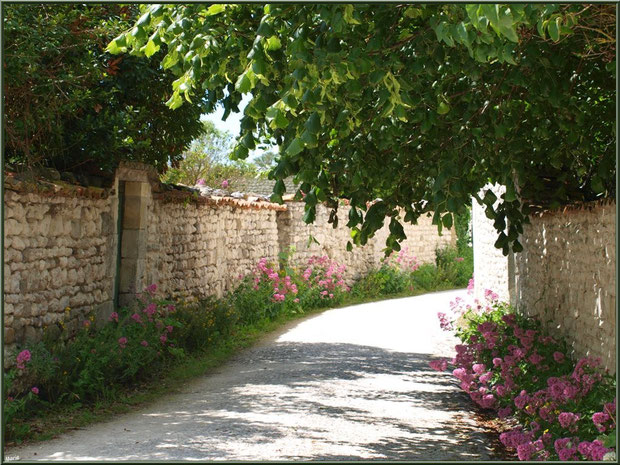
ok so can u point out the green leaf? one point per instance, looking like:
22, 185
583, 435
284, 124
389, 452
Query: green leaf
443, 108
554, 29
248, 141
510, 195
309, 215
279, 188
349, 246
313, 124
243, 85
150, 48
117, 46
279, 121
517, 247
447, 220
265, 29
139, 34
294, 147
489, 197
540, 28
175, 101
273, 43
215, 9
310, 140
144, 20
597, 185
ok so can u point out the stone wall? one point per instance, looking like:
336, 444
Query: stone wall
492, 270
565, 275
89, 249
59, 261
422, 240
201, 250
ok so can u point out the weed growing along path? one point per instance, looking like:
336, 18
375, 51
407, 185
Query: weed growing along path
348, 384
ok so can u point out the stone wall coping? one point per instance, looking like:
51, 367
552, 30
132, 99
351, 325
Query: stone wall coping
46, 188
576, 206
216, 201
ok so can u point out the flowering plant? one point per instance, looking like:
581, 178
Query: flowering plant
507, 363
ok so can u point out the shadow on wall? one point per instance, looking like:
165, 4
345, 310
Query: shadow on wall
311, 401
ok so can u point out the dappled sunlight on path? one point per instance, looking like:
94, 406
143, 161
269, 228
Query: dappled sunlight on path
348, 384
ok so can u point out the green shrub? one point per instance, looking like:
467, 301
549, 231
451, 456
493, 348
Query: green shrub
456, 267
204, 322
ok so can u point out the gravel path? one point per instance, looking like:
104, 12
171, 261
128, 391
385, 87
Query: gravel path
348, 384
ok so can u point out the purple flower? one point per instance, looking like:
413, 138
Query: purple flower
122, 341
600, 417
35, 390
144, 343
113, 317
224, 184
22, 358
525, 451
504, 412
201, 182
558, 357
479, 368
567, 419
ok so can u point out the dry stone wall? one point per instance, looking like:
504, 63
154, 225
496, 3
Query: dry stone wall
203, 249
422, 240
69, 255
59, 261
492, 270
565, 275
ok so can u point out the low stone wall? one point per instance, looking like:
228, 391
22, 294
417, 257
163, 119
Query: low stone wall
90, 250
422, 240
565, 275
202, 249
59, 261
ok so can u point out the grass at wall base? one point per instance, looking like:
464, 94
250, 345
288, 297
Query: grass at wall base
154, 347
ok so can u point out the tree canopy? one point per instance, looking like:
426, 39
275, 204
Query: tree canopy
72, 106
407, 107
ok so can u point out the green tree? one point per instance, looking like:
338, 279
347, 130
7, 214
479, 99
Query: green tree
412, 107
72, 106
207, 158
266, 161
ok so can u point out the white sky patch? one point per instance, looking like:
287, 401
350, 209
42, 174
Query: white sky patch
233, 123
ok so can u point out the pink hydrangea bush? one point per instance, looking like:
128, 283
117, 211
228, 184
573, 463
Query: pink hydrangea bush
508, 363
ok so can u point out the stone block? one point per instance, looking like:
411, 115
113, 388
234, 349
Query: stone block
133, 243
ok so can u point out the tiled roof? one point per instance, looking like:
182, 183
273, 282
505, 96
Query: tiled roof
261, 186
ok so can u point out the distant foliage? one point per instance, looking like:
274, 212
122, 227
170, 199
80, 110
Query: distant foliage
207, 161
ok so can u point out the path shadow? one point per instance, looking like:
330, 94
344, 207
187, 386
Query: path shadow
308, 401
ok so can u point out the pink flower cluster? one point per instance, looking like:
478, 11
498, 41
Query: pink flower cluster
459, 307
282, 285
520, 356
327, 274
22, 358
605, 420
403, 260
